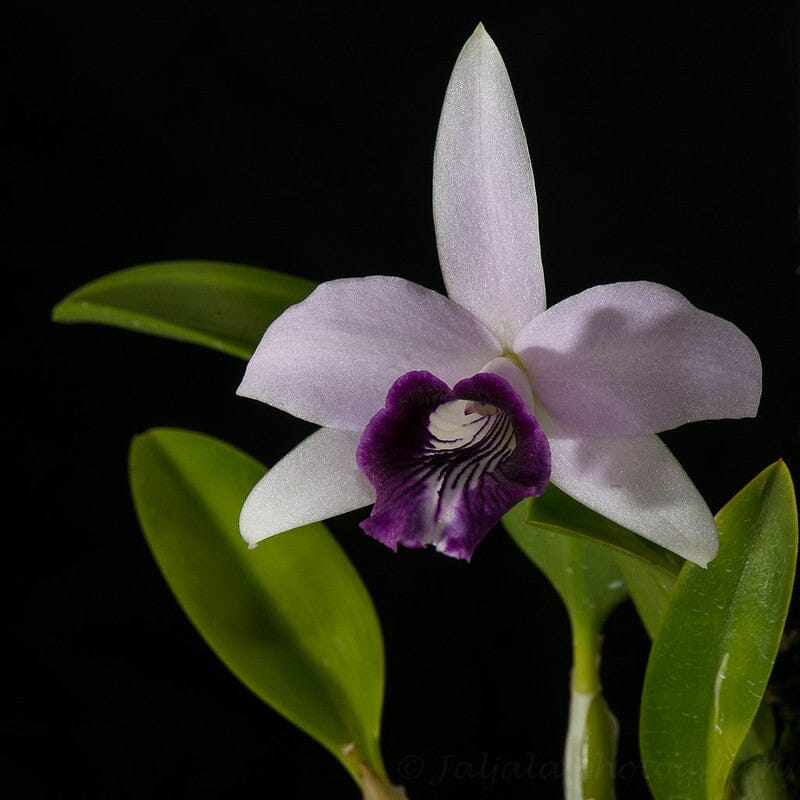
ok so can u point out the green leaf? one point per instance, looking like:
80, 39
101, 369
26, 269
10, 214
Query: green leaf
557, 511
649, 587
583, 572
223, 306
711, 660
756, 767
291, 618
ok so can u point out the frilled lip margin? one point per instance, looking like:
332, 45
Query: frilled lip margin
446, 464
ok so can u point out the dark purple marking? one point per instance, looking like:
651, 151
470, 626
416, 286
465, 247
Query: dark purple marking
449, 490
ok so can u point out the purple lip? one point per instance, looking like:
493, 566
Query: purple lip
446, 463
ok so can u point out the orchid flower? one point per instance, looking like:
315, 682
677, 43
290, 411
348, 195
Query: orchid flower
446, 411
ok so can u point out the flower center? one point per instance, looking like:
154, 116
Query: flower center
447, 464
461, 423
467, 440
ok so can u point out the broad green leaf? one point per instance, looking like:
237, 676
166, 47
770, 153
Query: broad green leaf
711, 660
557, 511
756, 768
223, 306
291, 618
583, 572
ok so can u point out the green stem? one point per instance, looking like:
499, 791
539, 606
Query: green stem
591, 747
585, 659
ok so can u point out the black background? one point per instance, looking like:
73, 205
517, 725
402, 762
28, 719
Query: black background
300, 138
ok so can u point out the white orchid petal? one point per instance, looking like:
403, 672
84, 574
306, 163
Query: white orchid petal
628, 359
484, 200
636, 482
332, 358
316, 480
